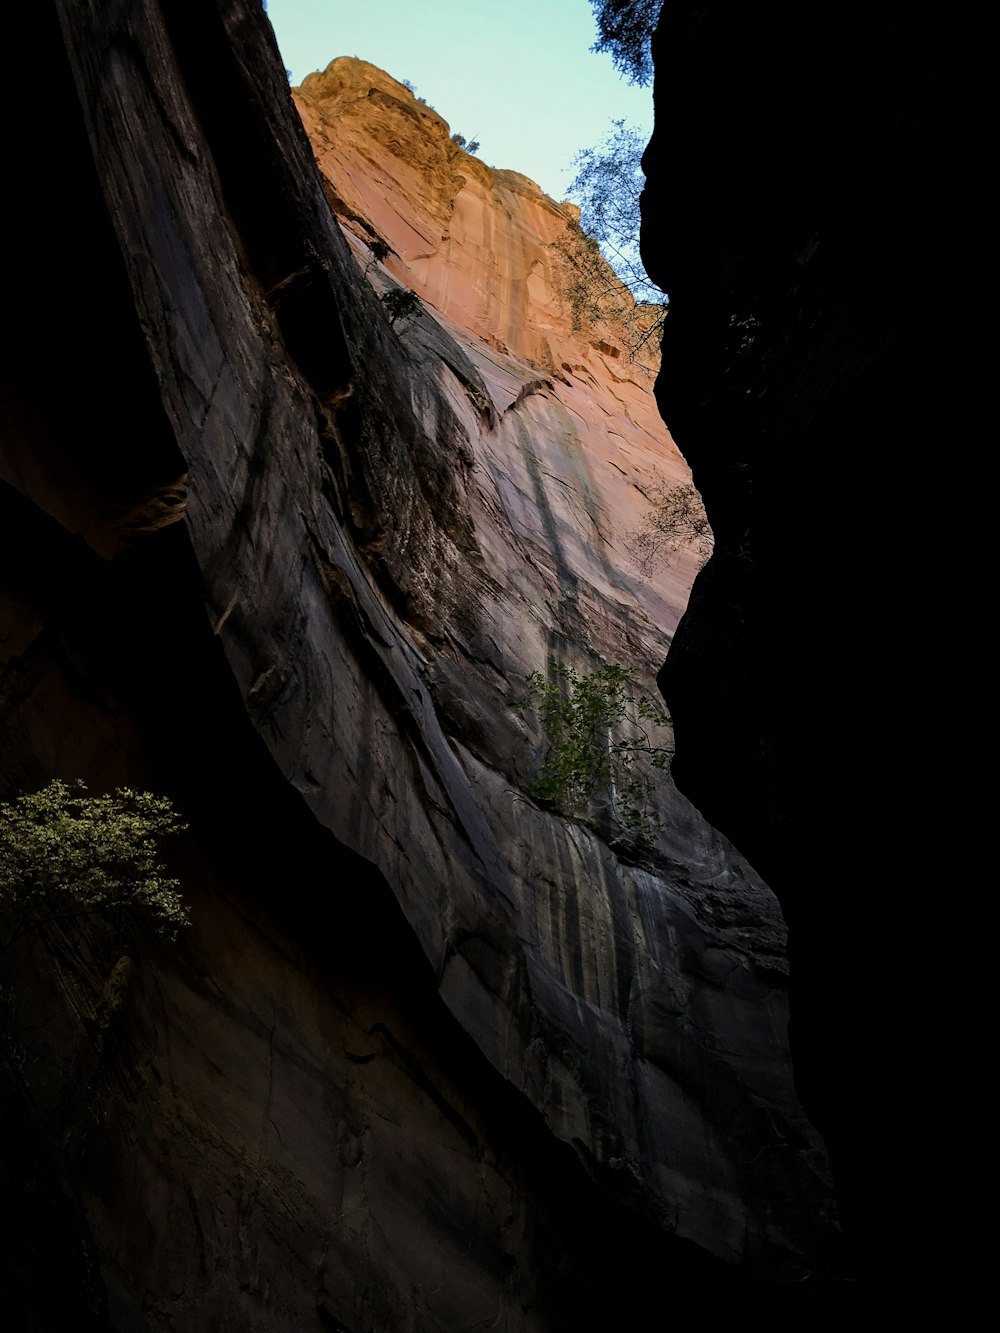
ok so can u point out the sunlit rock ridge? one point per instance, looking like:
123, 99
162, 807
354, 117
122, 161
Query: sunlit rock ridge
430, 1056
485, 250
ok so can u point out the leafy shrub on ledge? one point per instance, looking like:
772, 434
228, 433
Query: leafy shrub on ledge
64, 855
596, 730
400, 304
470, 145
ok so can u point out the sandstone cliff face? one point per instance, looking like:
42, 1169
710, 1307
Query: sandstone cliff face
485, 250
430, 1055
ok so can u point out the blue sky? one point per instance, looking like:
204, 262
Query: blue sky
518, 75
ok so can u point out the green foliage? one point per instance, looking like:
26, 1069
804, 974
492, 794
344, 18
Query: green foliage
596, 733
379, 251
596, 296
603, 276
400, 304
624, 28
608, 183
676, 520
470, 145
64, 854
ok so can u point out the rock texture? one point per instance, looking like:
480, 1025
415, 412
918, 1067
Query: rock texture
570, 442
430, 1057
845, 184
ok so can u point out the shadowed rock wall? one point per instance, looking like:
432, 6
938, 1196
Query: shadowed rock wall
430, 1055
817, 209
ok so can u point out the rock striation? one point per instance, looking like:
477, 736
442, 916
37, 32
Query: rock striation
431, 1055
485, 250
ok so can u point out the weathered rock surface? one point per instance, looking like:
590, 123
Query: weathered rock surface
430, 1056
571, 441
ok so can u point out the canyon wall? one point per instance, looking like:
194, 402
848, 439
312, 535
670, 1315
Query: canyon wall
816, 207
430, 1055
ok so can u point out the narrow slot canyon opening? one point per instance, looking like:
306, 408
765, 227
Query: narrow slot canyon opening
346, 508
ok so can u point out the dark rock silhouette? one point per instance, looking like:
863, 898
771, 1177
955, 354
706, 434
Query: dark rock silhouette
817, 209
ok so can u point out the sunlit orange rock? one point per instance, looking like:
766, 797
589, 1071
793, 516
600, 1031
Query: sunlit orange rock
484, 249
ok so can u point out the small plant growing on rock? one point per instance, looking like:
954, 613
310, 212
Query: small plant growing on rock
64, 854
379, 251
400, 305
601, 274
596, 730
676, 520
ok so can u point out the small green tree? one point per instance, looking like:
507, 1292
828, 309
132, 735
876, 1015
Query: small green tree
675, 521
624, 28
596, 732
608, 183
470, 145
603, 277
64, 854
400, 304
379, 251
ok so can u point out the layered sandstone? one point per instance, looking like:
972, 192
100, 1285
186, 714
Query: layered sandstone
485, 250
430, 1055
